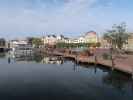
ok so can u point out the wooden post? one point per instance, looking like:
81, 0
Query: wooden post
76, 59
112, 58
113, 64
95, 60
132, 73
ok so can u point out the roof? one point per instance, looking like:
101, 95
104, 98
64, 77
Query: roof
91, 32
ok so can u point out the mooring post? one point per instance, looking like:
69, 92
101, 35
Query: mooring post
95, 60
113, 64
76, 59
132, 73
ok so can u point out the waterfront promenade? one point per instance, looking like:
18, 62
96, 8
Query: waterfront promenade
122, 63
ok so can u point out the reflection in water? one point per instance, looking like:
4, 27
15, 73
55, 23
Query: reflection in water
9, 60
82, 81
2, 55
52, 60
117, 80
38, 58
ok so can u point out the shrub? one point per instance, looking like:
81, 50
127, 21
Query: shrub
107, 56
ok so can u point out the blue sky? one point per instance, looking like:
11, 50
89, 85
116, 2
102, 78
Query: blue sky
68, 17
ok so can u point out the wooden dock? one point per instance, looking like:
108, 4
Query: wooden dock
116, 65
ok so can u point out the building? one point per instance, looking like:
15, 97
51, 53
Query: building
16, 43
90, 37
49, 39
104, 43
129, 45
2, 44
53, 39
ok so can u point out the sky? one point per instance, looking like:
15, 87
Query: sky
21, 18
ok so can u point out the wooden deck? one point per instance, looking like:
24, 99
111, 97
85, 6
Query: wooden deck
123, 65
117, 64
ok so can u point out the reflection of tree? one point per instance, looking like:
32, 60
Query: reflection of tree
38, 58
2, 55
117, 80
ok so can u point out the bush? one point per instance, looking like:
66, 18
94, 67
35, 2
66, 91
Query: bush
129, 52
107, 56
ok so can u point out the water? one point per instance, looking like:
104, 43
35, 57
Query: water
39, 78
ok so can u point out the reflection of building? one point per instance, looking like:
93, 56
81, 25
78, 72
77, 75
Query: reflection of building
129, 45
52, 60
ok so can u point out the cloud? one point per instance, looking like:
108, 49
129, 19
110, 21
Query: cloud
33, 17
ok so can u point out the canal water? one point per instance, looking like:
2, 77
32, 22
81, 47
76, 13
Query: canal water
54, 78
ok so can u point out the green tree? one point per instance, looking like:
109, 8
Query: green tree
37, 42
117, 36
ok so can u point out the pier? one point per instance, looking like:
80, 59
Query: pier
121, 64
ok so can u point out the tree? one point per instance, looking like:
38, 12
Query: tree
37, 42
30, 40
117, 36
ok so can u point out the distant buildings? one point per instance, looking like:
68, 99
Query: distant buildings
89, 37
104, 43
53, 39
17, 42
2, 44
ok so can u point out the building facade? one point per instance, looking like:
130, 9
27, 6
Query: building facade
16, 43
2, 44
89, 37
53, 39
129, 45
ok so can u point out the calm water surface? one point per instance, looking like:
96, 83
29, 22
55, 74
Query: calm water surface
39, 78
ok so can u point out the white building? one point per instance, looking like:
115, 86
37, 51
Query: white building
89, 37
20, 47
49, 39
15, 43
53, 39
